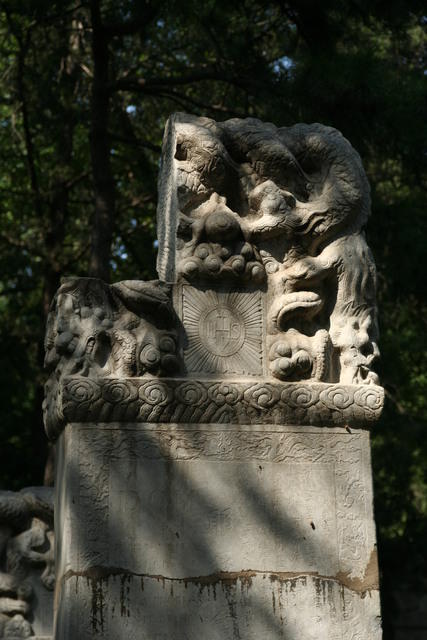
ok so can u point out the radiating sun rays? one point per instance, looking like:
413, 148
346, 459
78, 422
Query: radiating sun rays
224, 331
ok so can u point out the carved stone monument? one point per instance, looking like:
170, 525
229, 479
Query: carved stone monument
27, 571
214, 475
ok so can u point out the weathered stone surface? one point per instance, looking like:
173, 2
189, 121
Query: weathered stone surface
102, 331
261, 230
27, 568
212, 401
242, 201
213, 478
223, 331
217, 532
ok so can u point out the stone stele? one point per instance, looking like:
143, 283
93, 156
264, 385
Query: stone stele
214, 477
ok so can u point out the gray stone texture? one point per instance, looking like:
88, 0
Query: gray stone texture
213, 476
27, 565
217, 532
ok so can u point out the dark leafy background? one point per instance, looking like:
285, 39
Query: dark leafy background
86, 88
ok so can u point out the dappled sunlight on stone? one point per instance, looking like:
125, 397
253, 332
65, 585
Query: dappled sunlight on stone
213, 476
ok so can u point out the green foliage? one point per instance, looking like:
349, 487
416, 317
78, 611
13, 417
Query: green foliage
358, 66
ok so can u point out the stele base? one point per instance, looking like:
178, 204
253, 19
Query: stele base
220, 532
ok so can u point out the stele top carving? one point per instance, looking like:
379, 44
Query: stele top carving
245, 203
265, 281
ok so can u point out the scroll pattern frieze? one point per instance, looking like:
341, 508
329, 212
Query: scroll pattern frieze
209, 401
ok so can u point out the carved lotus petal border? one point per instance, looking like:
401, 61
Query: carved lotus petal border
174, 400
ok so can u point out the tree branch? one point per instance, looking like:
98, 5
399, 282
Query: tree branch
145, 85
136, 142
12, 241
76, 257
71, 183
30, 155
184, 101
103, 182
134, 25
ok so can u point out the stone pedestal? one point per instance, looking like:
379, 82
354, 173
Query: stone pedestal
213, 476
215, 531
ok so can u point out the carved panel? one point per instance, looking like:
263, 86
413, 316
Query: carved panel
314, 461
285, 207
212, 401
268, 528
124, 329
224, 331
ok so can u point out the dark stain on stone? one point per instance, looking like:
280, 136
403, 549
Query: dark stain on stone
280, 597
97, 603
318, 589
370, 580
97, 573
231, 603
342, 591
223, 578
228, 580
124, 594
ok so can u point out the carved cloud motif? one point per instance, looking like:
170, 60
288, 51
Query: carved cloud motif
284, 209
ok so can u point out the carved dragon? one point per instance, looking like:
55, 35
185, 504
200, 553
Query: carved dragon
99, 330
296, 200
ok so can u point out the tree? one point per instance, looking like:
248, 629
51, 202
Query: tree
86, 89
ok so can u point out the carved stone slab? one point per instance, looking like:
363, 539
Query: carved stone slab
217, 532
245, 203
224, 331
240, 401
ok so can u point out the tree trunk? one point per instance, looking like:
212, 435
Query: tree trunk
103, 183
